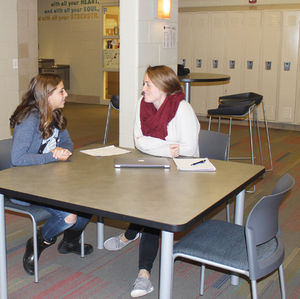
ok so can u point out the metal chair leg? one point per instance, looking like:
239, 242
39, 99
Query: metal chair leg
251, 138
282, 284
251, 146
228, 212
35, 251
258, 136
82, 244
202, 279
254, 289
229, 134
209, 122
107, 124
268, 136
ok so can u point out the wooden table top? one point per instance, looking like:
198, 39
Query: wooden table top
165, 199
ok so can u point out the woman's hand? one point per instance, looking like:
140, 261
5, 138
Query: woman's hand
61, 154
174, 149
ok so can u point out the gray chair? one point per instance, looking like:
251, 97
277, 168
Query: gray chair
215, 145
254, 250
37, 213
115, 103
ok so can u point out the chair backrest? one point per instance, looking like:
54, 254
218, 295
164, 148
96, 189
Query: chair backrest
115, 101
242, 97
5, 147
264, 245
213, 145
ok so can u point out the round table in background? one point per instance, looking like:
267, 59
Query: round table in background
201, 77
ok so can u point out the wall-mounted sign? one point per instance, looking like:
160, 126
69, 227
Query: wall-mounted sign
69, 10
169, 37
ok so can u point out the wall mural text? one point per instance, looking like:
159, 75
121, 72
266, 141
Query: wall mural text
70, 10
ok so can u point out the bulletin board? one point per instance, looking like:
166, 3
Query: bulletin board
111, 58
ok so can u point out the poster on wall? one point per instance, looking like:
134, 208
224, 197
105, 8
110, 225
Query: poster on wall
68, 10
111, 58
169, 37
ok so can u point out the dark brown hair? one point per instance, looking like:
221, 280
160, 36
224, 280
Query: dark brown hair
36, 100
164, 78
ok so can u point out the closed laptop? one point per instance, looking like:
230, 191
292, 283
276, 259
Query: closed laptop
146, 162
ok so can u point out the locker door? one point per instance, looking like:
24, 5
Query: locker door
251, 61
234, 51
185, 39
297, 94
271, 37
288, 66
200, 36
200, 47
216, 55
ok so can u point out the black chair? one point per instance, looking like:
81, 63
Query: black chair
114, 102
255, 250
37, 213
241, 106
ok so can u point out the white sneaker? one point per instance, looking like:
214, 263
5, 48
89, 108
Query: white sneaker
141, 287
115, 243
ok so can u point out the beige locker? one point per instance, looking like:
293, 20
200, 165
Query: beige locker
297, 94
234, 51
185, 50
270, 58
251, 65
201, 36
288, 67
216, 53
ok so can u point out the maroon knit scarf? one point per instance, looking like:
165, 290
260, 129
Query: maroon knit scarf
154, 122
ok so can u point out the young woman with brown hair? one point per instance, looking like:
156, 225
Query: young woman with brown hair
39, 137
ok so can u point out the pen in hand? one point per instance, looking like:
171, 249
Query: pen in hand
199, 162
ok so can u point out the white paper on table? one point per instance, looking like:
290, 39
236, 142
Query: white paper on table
187, 165
110, 150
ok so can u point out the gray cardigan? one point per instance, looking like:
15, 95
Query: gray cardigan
27, 139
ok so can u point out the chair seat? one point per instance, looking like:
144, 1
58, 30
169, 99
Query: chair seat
38, 213
221, 242
115, 101
240, 109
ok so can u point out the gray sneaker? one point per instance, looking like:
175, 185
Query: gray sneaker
115, 243
141, 287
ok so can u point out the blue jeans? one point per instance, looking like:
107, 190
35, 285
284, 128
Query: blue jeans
56, 224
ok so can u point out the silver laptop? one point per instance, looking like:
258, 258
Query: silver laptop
147, 162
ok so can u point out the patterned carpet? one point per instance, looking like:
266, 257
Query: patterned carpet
106, 274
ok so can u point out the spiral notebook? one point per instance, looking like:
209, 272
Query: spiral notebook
195, 164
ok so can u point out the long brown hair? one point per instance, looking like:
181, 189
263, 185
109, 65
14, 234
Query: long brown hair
164, 78
36, 100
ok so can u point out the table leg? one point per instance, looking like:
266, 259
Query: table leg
187, 91
166, 265
3, 271
100, 233
238, 219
